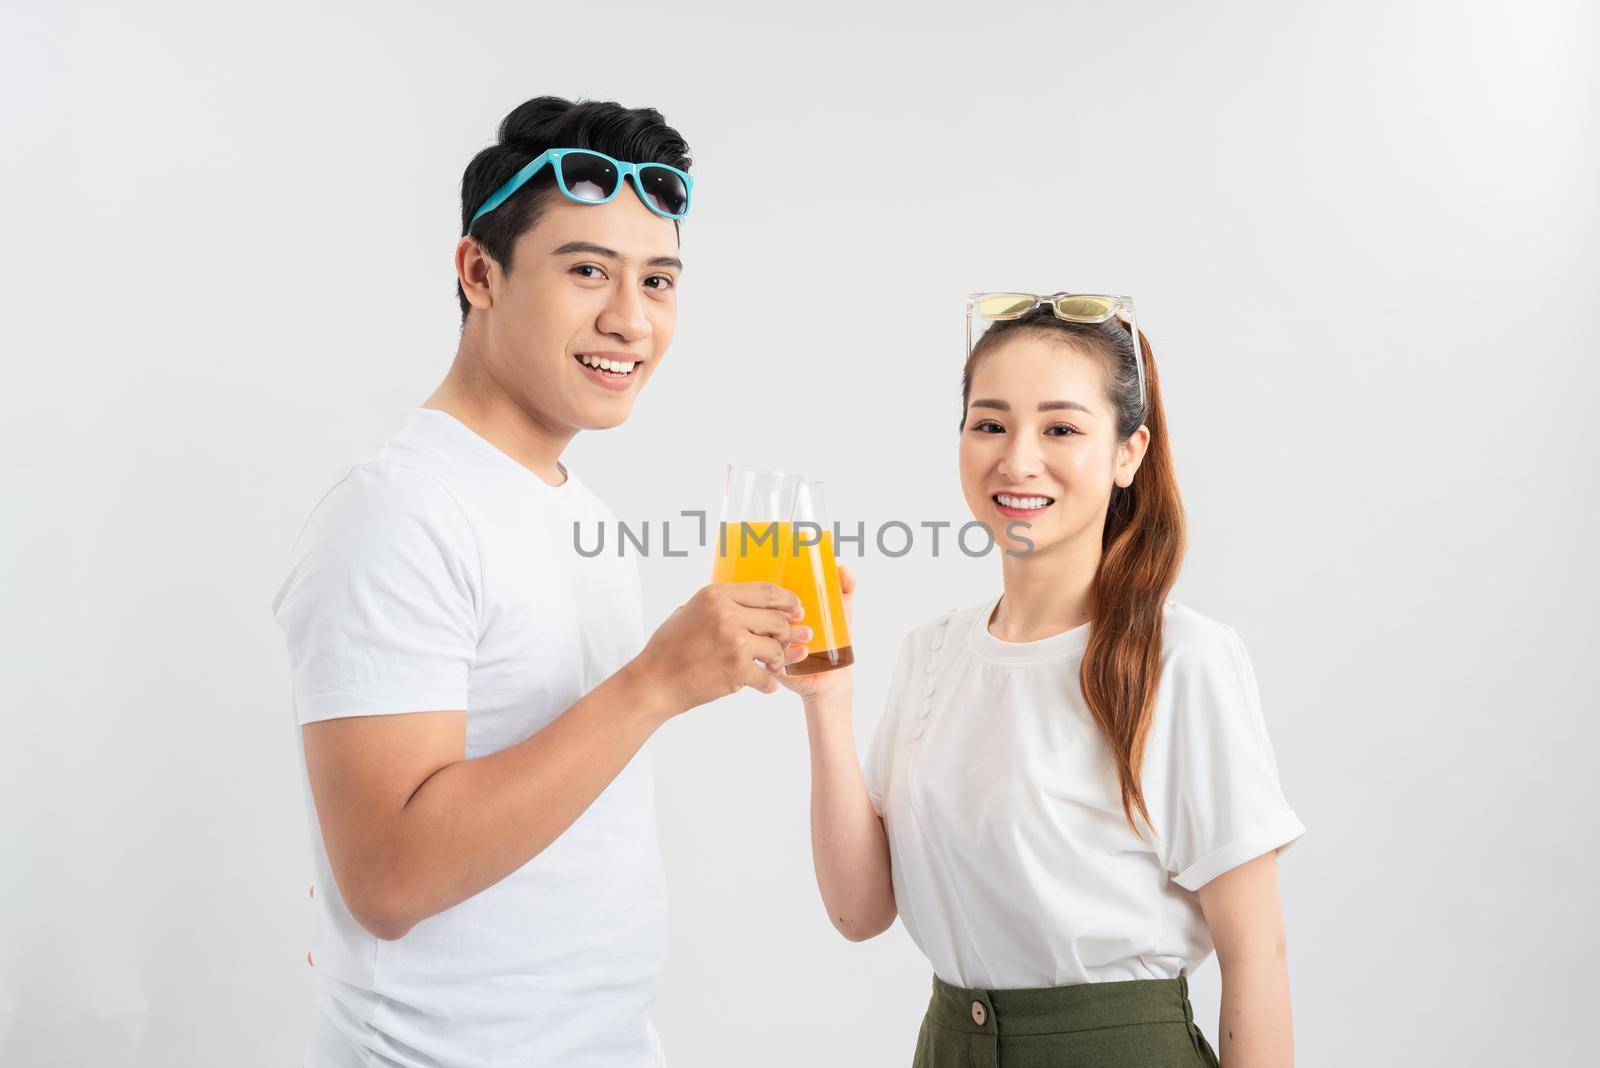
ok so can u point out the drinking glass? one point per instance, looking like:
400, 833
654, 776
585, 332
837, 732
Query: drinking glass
757, 505
812, 574
775, 529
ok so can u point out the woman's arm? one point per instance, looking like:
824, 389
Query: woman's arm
1242, 909
848, 845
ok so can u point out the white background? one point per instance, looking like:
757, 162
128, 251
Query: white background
1362, 238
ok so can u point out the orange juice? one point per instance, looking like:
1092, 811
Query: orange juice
749, 552
801, 561
813, 574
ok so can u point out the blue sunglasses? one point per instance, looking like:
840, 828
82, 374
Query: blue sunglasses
591, 177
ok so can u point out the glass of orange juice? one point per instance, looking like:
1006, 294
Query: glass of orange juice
774, 529
757, 507
812, 573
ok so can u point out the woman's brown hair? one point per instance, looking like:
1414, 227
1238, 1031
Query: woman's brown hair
1141, 547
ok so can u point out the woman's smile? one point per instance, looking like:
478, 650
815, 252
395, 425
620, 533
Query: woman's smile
1021, 506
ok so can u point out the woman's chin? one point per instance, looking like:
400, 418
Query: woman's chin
1010, 536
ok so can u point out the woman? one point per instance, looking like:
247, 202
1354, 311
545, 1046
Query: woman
1071, 798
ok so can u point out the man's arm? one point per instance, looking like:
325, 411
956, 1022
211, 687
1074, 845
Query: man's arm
413, 828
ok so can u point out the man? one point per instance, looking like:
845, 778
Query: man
475, 697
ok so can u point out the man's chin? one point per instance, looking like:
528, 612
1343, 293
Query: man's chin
605, 417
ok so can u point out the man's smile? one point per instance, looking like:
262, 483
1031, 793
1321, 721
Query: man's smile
613, 370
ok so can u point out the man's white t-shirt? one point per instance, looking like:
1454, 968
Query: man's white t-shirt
443, 575
1013, 864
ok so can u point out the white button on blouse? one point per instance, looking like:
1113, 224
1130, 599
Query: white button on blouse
1013, 865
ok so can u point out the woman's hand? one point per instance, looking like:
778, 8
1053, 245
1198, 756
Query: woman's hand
827, 684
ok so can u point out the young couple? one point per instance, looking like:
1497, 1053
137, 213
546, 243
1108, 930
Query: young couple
1070, 799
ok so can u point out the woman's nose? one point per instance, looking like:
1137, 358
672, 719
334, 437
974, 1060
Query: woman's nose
1020, 461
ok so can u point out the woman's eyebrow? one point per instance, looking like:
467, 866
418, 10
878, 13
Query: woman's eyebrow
1056, 405
1044, 406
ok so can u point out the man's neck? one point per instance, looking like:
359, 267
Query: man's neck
480, 404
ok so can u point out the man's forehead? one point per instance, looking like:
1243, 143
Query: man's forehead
626, 233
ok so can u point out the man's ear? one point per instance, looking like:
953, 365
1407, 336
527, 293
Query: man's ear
474, 270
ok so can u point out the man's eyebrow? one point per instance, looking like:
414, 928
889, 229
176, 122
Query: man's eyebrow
1044, 406
593, 249
590, 247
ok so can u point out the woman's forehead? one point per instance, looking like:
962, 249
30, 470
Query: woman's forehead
1031, 363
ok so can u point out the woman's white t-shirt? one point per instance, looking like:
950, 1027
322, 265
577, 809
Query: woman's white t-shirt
1013, 863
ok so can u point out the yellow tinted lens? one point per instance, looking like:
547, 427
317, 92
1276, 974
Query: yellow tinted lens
1004, 305
1085, 309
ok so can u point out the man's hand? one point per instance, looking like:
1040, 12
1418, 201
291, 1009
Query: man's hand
727, 636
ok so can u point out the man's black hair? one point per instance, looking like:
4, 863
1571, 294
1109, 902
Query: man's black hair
636, 135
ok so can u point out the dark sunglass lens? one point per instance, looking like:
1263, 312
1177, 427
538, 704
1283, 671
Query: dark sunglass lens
588, 177
664, 190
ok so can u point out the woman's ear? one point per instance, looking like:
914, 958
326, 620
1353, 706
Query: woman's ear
1130, 454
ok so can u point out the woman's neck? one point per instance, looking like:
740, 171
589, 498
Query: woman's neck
1048, 591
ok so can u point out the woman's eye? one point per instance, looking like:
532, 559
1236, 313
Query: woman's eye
1065, 430
988, 426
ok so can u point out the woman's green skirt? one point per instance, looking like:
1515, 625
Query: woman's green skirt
1146, 1023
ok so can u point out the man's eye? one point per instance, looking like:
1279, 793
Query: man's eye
582, 267
665, 281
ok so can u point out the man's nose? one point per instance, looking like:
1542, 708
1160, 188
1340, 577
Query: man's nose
624, 316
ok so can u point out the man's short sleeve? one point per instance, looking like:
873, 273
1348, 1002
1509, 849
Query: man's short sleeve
879, 760
380, 605
1210, 777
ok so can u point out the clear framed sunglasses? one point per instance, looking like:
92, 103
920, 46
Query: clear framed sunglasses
1073, 307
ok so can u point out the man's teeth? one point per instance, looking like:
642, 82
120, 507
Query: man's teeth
616, 366
1022, 503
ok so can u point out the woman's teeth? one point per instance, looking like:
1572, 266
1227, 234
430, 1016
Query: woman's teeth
617, 367
1022, 504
